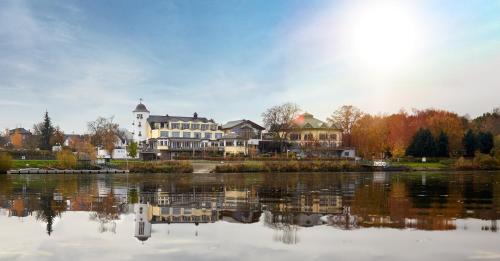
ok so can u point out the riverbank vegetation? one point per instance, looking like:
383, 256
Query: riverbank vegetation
157, 166
289, 166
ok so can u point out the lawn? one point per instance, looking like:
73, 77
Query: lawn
422, 165
19, 164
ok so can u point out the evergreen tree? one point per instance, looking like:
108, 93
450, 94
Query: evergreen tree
46, 132
422, 145
469, 143
442, 145
485, 142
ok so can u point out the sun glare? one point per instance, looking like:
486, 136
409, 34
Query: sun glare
384, 36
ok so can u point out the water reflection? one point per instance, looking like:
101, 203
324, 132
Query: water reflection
285, 203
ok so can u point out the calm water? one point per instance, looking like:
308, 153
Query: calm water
363, 216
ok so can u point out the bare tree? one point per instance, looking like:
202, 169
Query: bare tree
344, 118
104, 132
279, 119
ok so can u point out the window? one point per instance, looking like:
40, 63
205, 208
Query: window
140, 210
164, 134
197, 135
213, 127
204, 127
156, 125
140, 134
294, 136
139, 125
308, 136
186, 134
229, 143
162, 125
323, 136
139, 116
195, 126
208, 135
141, 228
333, 136
175, 125
176, 134
185, 126
218, 136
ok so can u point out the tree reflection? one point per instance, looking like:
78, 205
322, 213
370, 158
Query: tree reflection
49, 209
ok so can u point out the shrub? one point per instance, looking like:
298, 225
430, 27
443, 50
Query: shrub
464, 164
66, 159
5, 162
486, 162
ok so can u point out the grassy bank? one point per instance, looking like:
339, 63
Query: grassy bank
157, 166
289, 166
41, 164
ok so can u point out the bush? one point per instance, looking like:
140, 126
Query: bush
464, 164
66, 160
486, 162
5, 162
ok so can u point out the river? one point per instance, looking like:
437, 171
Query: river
269, 216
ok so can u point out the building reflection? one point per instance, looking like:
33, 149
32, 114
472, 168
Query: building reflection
285, 203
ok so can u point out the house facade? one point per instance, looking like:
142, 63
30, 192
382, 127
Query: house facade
165, 136
309, 131
314, 137
241, 137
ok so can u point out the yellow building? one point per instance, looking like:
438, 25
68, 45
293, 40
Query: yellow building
307, 130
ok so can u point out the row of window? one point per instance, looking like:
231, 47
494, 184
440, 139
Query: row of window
185, 126
189, 144
187, 134
310, 136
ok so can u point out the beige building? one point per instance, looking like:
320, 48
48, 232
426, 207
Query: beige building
308, 130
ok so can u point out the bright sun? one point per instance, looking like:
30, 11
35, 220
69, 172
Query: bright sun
384, 36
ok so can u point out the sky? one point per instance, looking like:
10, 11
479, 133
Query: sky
232, 59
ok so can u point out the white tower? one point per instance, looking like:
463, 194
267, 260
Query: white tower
139, 129
142, 223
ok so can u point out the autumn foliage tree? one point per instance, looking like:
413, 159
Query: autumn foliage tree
346, 118
369, 136
104, 132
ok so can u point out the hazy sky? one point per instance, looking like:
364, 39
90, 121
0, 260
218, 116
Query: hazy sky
232, 59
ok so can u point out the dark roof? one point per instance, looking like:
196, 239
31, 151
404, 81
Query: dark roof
142, 238
232, 124
167, 118
19, 130
140, 108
